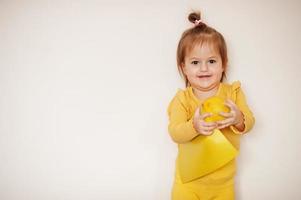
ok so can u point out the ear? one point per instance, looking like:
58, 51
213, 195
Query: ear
224, 69
183, 68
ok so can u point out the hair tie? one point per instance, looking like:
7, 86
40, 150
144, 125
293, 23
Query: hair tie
197, 22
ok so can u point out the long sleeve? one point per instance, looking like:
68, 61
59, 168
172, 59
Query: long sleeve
241, 102
180, 127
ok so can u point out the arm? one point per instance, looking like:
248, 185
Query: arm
248, 118
180, 127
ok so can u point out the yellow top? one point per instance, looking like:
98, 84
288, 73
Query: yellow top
181, 110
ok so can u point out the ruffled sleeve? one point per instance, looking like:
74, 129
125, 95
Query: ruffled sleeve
238, 96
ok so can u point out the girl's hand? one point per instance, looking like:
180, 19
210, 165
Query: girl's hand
234, 117
202, 127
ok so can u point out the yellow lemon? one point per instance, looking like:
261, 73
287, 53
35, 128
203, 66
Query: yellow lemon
214, 105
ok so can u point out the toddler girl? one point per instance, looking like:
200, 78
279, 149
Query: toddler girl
202, 62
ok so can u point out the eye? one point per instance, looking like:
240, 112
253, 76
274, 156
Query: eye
212, 61
195, 62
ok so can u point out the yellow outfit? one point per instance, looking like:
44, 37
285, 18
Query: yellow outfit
218, 184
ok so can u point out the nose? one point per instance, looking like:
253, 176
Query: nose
203, 67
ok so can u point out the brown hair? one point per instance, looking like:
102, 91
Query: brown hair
197, 35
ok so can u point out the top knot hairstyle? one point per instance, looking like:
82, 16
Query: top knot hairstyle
200, 34
196, 19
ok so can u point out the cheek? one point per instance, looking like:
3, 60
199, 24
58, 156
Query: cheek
189, 71
220, 73
218, 70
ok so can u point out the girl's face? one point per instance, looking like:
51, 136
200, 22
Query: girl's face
203, 67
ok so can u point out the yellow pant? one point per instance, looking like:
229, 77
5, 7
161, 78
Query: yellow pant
218, 185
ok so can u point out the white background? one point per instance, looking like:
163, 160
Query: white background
84, 88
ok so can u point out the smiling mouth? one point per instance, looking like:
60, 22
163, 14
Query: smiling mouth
204, 76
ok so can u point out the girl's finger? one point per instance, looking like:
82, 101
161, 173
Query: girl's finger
208, 124
197, 112
221, 127
231, 105
225, 122
229, 101
209, 128
202, 117
227, 115
207, 133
